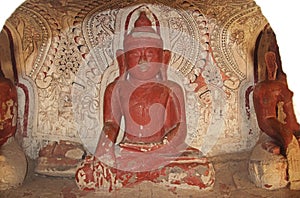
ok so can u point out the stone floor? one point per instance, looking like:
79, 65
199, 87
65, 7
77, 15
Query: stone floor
231, 181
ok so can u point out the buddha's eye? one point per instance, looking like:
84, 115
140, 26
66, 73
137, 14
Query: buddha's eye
151, 52
134, 54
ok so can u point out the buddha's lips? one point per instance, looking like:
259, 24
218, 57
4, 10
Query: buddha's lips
143, 67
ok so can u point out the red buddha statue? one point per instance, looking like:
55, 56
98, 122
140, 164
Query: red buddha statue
8, 113
153, 111
153, 107
266, 97
269, 96
13, 162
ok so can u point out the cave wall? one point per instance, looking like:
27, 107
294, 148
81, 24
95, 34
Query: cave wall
63, 55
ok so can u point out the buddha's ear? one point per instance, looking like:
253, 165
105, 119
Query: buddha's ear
121, 62
165, 61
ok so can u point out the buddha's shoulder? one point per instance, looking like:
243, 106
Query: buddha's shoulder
173, 85
267, 85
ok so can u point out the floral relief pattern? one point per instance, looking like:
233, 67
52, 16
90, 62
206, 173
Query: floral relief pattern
67, 58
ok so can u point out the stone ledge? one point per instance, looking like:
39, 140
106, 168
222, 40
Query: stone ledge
267, 170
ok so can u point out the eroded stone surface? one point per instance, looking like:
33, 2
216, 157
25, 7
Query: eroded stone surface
13, 165
267, 170
184, 173
293, 158
60, 159
225, 168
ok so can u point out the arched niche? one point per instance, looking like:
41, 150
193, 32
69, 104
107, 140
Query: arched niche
44, 33
266, 41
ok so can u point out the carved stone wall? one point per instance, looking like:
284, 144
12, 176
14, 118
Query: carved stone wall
65, 56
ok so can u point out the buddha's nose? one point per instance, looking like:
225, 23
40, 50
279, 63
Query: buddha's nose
143, 59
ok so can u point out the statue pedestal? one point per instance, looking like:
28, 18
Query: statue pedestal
267, 170
13, 165
293, 157
59, 159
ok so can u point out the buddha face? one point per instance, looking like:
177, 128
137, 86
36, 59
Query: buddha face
272, 66
144, 58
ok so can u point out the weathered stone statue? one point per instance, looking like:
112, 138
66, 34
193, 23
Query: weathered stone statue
13, 164
275, 115
153, 146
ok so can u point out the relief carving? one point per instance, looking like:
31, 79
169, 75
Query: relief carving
35, 34
74, 48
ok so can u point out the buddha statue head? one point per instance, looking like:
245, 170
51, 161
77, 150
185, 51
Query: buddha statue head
143, 57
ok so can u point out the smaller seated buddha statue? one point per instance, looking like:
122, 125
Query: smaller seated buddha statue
152, 147
276, 118
13, 162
